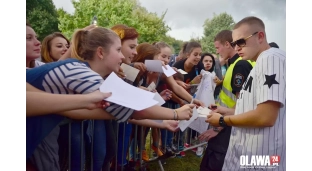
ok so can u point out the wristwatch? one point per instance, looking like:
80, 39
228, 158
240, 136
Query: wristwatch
215, 129
222, 122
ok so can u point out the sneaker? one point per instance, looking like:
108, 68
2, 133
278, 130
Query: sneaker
145, 157
168, 153
157, 151
186, 145
194, 150
174, 148
182, 153
181, 148
200, 151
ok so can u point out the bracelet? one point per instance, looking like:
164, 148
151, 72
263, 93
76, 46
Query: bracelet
174, 115
177, 114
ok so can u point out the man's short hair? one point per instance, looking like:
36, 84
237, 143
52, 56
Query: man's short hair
224, 36
273, 44
250, 21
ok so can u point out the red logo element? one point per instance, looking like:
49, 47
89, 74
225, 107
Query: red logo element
275, 160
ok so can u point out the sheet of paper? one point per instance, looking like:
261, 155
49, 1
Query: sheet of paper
184, 123
154, 65
151, 87
158, 98
169, 71
182, 71
202, 115
127, 95
130, 72
199, 124
203, 111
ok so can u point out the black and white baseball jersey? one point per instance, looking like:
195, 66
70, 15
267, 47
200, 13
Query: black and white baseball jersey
266, 81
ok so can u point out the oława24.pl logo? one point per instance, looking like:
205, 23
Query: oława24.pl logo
259, 161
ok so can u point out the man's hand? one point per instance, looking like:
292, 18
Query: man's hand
220, 109
213, 119
96, 100
207, 135
171, 125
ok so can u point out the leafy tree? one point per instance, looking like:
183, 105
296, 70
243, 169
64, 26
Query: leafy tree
42, 16
174, 43
212, 27
111, 12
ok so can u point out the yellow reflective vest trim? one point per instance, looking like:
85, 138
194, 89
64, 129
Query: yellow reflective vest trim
226, 97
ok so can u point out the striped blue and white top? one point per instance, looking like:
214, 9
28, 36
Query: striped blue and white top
70, 76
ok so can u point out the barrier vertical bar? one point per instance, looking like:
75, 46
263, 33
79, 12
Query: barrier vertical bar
82, 148
69, 147
117, 139
92, 143
123, 145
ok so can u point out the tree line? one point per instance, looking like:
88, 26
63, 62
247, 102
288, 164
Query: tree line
46, 19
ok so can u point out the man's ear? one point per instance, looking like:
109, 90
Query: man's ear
100, 53
261, 36
227, 44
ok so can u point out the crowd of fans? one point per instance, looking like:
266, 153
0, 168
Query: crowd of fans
70, 125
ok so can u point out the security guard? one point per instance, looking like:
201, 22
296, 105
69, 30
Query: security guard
238, 70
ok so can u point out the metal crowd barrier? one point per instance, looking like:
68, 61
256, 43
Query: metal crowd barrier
138, 163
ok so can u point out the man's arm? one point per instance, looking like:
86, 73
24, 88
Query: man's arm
240, 73
263, 116
270, 73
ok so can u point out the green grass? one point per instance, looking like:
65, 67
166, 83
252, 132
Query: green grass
188, 163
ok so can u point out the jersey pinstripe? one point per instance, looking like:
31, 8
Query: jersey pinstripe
75, 77
266, 81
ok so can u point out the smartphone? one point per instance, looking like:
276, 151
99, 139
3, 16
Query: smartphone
94, 20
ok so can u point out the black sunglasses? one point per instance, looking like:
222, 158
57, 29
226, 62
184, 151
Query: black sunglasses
242, 42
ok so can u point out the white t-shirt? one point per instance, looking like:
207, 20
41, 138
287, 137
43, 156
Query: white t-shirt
266, 81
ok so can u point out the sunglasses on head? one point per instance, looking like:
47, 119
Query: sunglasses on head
242, 42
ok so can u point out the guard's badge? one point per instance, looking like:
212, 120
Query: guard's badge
238, 80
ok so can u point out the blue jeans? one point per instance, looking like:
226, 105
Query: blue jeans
124, 133
78, 149
166, 137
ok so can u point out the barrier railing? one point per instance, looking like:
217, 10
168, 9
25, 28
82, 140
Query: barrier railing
131, 141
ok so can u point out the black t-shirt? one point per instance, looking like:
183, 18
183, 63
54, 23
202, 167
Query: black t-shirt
192, 74
241, 71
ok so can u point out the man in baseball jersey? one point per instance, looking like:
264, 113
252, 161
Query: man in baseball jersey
258, 137
236, 74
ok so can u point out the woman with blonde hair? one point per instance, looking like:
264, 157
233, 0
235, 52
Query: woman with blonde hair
53, 47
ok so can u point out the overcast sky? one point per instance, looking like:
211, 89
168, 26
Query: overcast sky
186, 17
